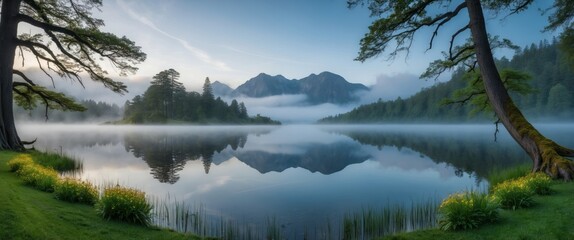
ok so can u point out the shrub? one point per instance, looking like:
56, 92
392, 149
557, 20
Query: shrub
38, 177
514, 194
124, 204
74, 190
467, 210
19, 161
539, 183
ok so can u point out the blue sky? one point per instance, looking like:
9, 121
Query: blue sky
232, 41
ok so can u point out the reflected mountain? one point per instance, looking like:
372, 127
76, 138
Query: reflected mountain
324, 158
167, 154
466, 151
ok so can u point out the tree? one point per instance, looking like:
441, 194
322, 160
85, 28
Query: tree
559, 99
400, 20
169, 92
70, 44
207, 97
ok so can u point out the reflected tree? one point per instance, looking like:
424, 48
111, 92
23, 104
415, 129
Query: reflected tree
167, 154
470, 154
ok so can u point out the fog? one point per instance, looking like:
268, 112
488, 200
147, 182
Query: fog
289, 109
295, 108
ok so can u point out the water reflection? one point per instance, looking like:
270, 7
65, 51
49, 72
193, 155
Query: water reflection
470, 150
302, 175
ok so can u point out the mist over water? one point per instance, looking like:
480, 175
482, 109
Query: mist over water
303, 175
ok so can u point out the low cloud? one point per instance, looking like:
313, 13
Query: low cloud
91, 89
291, 108
390, 87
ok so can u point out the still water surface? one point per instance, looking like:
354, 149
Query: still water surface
301, 175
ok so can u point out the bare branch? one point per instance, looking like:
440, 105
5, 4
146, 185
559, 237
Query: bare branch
454, 36
23, 76
446, 17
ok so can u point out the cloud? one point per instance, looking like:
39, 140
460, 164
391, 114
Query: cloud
390, 87
200, 54
291, 108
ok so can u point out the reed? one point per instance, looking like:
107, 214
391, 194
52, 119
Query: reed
370, 223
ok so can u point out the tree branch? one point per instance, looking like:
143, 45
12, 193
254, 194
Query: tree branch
446, 17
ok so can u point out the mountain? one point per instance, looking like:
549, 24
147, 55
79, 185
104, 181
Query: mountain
326, 87
221, 89
264, 85
330, 88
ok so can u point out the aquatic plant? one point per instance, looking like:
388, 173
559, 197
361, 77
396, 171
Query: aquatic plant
124, 204
370, 223
75, 190
467, 210
57, 161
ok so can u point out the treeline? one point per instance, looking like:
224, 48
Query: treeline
167, 101
95, 112
552, 79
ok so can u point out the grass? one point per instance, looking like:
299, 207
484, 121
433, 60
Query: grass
500, 175
26, 213
548, 219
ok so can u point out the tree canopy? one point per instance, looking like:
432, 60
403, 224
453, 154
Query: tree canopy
166, 101
69, 44
470, 46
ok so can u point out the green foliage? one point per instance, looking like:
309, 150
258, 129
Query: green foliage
467, 210
500, 175
19, 161
39, 177
539, 182
544, 64
74, 190
124, 204
559, 98
28, 97
58, 162
167, 101
514, 194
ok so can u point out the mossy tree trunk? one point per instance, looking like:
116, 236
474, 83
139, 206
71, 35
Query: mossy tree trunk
547, 156
9, 139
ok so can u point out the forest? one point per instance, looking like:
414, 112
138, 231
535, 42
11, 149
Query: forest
94, 112
550, 90
167, 101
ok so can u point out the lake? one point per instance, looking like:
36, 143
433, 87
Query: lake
300, 176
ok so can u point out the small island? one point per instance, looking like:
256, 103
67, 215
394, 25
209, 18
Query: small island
167, 102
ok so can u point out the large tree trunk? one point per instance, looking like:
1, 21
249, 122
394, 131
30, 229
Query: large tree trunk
9, 139
547, 156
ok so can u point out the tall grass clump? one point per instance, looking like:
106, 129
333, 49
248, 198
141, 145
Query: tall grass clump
17, 162
500, 175
518, 193
514, 194
124, 204
74, 190
57, 161
539, 183
39, 177
389, 220
467, 210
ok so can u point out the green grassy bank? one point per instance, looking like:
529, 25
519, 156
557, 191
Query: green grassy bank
549, 219
26, 213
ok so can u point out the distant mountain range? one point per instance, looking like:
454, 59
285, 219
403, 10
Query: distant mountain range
325, 87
